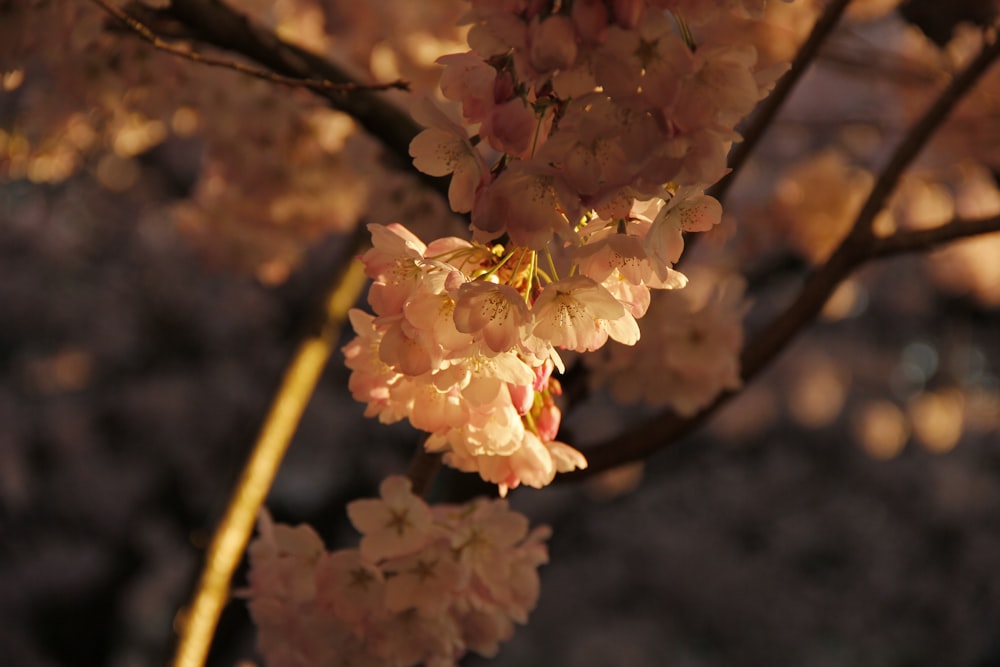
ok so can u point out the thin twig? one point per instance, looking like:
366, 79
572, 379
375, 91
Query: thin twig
213, 22
762, 119
858, 247
920, 133
918, 240
184, 51
860, 244
233, 532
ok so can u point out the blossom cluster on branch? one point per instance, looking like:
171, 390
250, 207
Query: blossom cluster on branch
589, 132
426, 585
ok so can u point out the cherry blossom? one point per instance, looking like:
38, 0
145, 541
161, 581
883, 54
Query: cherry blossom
462, 586
552, 43
687, 211
395, 525
643, 64
579, 314
442, 149
497, 311
466, 78
525, 203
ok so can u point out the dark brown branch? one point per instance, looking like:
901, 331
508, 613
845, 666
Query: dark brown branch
920, 133
423, 467
858, 247
181, 50
928, 239
217, 24
768, 109
669, 427
860, 244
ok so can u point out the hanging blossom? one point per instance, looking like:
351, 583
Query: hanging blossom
590, 104
589, 132
465, 338
426, 585
456, 346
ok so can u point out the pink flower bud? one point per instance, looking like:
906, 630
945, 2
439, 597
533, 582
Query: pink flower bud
522, 397
542, 375
548, 420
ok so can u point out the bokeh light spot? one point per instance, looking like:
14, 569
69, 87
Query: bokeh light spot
818, 394
937, 419
881, 429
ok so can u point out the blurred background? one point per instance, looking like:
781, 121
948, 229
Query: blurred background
158, 263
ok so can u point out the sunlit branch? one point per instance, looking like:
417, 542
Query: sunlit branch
182, 50
198, 624
857, 248
768, 109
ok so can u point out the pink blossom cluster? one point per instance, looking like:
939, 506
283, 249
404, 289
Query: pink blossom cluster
577, 109
426, 585
454, 348
464, 338
589, 131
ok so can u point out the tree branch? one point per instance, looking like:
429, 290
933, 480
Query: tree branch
769, 108
926, 239
234, 529
180, 50
920, 133
215, 23
859, 246
219, 26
